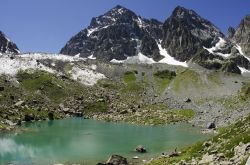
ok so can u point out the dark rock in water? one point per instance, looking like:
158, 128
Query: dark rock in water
29, 117
19, 123
211, 125
140, 149
51, 116
78, 114
1, 88
117, 160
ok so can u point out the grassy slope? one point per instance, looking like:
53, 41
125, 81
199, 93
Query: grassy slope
224, 142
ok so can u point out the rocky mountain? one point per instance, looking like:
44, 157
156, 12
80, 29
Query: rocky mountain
7, 46
117, 34
241, 35
121, 35
185, 33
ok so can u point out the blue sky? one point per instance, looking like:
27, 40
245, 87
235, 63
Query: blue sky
46, 25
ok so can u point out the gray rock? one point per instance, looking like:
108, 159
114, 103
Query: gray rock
7, 46
1, 88
211, 125
140, 149
185, 33
51, 116
117, 160
29, 117
242, 35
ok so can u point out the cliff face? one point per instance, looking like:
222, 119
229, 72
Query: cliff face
7, 46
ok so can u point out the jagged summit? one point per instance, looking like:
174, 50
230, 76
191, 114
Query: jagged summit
185, 37
242, 35
6, 45
185, 32
116, 15
181, 12
117, 34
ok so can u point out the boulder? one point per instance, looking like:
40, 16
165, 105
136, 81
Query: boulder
19, 103
1, 88
117, 160
187, 100
140, 149
51, 116
19, 123
29, 117
211, 125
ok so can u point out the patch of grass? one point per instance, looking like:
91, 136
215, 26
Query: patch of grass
132, 85
47, 83
245, 91
187, 79
10, 91
225, 142
214, 77
162, 79
44, 85
98, 106
129, 77
68, 67
185, 113
106, 83
165, 74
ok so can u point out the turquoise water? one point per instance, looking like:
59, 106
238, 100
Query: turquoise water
78, 140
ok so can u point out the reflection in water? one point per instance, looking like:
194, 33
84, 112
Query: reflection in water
50, 123
21, 152
78, 140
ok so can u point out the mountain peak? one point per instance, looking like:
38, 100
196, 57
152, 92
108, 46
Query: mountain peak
246, 20
6, 46
116, 15
119, 10
117, 7
182, 12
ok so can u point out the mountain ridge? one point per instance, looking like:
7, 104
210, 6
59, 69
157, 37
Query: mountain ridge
6, 45
119, 35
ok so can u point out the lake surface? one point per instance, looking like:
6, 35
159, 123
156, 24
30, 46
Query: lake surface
78, 140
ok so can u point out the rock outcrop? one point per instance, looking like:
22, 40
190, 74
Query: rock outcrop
7, 46
242, 35
185, 33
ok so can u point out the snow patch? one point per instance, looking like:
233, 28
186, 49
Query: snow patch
90, 31
91, 57
169, 59
42, 56
86, 76
140, 22
218, 46
238, 47
139, 59
243, 70
13, 66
